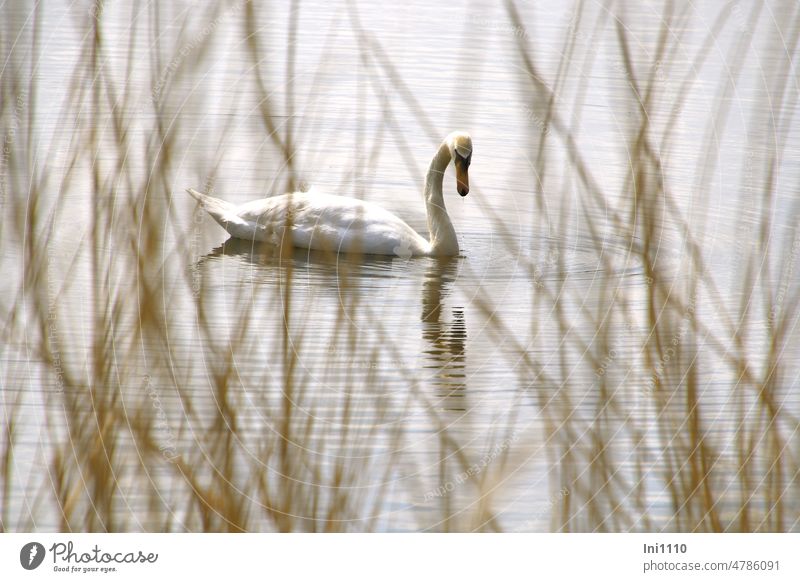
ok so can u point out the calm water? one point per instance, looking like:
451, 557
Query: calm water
471, 393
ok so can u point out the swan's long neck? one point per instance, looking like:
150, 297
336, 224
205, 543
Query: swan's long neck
443, 238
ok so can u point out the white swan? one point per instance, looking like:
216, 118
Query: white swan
340, 224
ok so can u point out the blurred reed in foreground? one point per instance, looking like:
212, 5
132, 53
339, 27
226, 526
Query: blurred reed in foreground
126, 442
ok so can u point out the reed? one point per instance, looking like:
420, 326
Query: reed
666, 403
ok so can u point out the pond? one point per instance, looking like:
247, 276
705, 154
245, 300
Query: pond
615, 348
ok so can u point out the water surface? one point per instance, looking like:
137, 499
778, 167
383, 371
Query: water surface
599, 357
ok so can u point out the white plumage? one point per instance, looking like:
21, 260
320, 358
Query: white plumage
337, 224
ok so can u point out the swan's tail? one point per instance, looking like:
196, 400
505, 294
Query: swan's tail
223, 212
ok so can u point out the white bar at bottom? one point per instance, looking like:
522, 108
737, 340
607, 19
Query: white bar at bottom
401, 557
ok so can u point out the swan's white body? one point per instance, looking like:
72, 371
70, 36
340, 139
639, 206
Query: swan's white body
318, 221
337, 224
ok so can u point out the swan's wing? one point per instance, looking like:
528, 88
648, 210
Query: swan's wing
333, 223
352, 225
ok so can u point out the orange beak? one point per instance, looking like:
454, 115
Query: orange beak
462, 176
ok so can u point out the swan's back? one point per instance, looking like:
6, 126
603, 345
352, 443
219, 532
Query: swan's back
322, 221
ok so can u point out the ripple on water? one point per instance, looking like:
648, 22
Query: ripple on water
493, 258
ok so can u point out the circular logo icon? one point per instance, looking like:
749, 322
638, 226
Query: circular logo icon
31, 555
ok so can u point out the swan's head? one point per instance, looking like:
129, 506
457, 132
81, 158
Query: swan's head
460, 146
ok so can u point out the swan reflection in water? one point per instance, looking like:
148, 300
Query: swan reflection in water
446, 353
442, 362
323, 264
